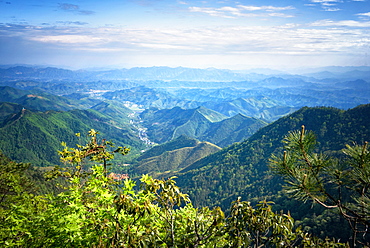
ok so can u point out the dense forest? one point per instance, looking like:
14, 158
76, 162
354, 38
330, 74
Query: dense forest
93, 210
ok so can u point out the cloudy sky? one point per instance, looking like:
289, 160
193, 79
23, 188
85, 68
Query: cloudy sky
222, 34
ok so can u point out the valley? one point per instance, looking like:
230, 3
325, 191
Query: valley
158, 104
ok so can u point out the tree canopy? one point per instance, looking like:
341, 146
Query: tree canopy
94, 210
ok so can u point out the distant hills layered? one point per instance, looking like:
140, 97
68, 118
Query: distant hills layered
251, 93
156, 105
177, 74
137, 73
42, 101
201, 123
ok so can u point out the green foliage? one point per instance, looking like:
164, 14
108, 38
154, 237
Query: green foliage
335, 184
242, 168
96, 211
261, 227
13, 181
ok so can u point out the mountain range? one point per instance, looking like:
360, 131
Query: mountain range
201, 123
213, 129
158, 104
264, 96
242, 169
177, 74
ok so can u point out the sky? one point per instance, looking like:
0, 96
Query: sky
225, 34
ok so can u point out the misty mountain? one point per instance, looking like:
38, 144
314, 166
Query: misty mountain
164, 73
337, 72
137, 73
148, 98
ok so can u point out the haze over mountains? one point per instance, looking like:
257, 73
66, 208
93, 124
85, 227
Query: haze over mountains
163, 103
179, 73
156, 105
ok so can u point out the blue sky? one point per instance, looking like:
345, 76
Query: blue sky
222, 34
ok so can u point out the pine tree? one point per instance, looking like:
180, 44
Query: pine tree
341, 184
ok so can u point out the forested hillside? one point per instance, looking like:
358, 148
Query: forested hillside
172, 156
200, 123
35, 137
37, 100
241, 169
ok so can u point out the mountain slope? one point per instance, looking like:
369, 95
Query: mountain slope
200, 123
231, 130
164, 125
116, 111
241, 169
37, 100
172, 156
7, 109
35, 137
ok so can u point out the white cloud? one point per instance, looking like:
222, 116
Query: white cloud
326, 1
289, 39
343, 23
364, 14
263, 43
211, 12
244, 11
331, 8
67, 39
327, 5
74, 8
266, 8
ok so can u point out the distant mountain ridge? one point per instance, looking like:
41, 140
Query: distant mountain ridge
168, 73
136, 73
